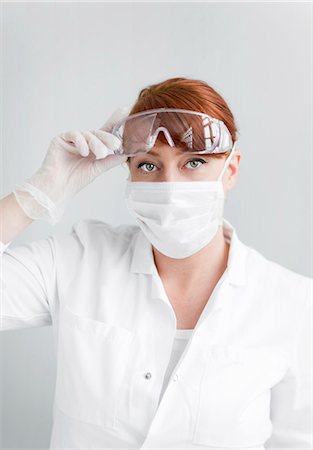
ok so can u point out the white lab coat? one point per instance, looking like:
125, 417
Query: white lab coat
244, 379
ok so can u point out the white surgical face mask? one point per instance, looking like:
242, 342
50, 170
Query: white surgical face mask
178, 217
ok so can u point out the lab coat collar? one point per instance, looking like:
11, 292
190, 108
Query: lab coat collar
143, 261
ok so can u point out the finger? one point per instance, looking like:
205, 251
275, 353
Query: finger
109, 140
58, 141
118, 114
78, 140
109, 162
97, 147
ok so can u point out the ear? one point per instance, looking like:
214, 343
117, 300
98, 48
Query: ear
232, 171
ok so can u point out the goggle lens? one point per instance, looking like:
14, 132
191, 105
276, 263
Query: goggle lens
196, 133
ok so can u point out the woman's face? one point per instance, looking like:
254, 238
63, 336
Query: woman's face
166, 163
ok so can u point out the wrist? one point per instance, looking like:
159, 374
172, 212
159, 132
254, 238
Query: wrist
37, 205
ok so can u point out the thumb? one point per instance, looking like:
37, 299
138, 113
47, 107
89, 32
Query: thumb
118, 115
107, 163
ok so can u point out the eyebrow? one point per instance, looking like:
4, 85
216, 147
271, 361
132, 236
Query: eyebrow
151, 153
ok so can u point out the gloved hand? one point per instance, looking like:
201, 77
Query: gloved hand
73, 160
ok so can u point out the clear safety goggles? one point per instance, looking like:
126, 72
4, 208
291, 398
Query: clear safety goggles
191, 131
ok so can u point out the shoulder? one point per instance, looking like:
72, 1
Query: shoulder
92, 228
92, 232
91, 236
276, 279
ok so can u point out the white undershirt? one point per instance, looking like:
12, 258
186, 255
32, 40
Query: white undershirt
180, 341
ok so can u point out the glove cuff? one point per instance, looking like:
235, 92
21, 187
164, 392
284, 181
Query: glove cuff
36, 204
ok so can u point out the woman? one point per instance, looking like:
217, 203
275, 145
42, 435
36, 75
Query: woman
172, 333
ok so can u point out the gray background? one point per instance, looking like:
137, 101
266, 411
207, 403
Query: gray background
69, 65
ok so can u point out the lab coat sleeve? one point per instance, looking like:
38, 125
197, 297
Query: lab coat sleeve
292, 398
27, 281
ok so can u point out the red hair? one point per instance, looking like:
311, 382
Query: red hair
184, 93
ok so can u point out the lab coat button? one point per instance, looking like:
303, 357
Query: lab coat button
175, 377
148, 375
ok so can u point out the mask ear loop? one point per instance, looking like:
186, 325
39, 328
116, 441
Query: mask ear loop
222, 173
227, 161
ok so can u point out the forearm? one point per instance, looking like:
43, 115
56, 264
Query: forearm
13, 219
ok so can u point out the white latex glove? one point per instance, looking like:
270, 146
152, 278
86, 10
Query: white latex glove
74, 159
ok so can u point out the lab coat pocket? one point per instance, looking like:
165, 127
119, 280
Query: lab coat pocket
234, 396
92, 360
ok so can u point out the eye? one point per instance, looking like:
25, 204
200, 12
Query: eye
143, 164
149, 164
196, 160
